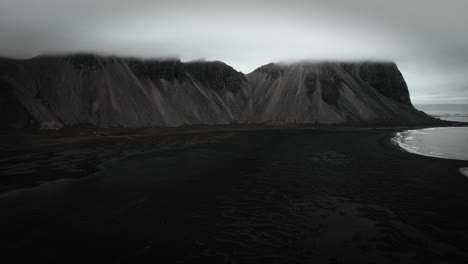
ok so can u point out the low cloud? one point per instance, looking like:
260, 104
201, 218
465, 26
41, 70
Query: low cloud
427, 39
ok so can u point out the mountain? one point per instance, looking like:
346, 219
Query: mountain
56, 91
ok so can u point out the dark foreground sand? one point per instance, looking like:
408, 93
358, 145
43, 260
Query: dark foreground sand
268, 196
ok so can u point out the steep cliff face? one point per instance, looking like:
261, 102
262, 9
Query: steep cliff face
114, 92
331, 93
387, 79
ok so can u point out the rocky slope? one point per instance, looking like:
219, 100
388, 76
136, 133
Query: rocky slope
52, 92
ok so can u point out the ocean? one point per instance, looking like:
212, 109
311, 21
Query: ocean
449, 112
441, 142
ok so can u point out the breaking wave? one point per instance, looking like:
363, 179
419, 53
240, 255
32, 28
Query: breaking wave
443, 142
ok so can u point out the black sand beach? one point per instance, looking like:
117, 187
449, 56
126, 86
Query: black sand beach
266, 196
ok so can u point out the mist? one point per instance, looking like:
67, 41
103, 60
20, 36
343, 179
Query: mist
427, 39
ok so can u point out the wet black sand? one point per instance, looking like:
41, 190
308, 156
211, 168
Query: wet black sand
271, 196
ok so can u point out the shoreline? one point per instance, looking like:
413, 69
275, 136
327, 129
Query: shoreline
24, 139
119, 141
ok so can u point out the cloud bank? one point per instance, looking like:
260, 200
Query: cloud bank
427, 39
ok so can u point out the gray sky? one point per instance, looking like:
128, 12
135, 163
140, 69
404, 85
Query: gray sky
428, 39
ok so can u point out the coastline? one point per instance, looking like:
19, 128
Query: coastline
91, 147
22, 139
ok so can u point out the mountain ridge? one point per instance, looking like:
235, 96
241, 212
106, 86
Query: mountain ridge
57, 91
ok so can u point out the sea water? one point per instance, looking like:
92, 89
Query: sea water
449, 112
441, 142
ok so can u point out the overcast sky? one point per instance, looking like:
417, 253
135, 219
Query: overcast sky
428, 39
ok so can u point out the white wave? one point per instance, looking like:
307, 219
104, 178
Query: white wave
447, 142
464, 171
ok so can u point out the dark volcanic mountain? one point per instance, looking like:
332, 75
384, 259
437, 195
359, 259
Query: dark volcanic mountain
115, 92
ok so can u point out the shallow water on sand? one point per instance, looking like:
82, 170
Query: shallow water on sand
442, 142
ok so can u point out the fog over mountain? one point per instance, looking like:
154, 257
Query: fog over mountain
427, 39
